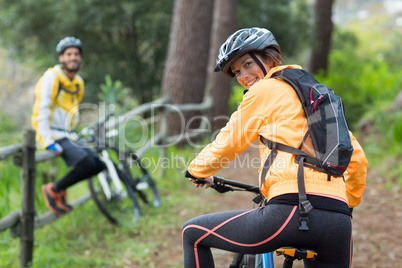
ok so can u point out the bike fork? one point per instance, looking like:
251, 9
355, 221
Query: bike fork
113, 175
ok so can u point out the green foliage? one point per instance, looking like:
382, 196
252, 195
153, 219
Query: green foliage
290, 22
235, 97
6, 125
126, 39
362, 80
389, 128
393, 56
383, 145
10, 127
114, 93
10, 188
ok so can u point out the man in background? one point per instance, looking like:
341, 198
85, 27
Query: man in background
55, 114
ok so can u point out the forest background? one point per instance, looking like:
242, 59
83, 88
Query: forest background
126, 47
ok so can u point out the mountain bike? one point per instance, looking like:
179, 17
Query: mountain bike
115, 189
265, 260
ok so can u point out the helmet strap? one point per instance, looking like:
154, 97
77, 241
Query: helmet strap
258, 62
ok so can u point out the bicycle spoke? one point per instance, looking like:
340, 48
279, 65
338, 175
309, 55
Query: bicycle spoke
142, 182
121, 206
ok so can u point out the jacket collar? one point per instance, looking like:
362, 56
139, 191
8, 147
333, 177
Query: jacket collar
62, 76
275, 72
280, 68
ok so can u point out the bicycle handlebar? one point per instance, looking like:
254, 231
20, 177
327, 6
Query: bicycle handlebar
222, 185
101, 121
221, 182
90, 129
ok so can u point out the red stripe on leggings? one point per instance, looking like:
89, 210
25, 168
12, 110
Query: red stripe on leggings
209, 232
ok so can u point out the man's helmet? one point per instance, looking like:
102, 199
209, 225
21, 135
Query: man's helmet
242, 41
68, 42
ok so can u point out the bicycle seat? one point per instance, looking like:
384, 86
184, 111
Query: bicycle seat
293, 253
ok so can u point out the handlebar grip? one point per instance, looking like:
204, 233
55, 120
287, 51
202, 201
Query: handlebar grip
198, 180
218, 180
188, 175
220, 186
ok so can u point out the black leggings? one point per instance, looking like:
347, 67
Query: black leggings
264, 230
86, 168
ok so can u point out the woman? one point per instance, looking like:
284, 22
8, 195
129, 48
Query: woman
271, 108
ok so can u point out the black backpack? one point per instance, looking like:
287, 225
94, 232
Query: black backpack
326, 146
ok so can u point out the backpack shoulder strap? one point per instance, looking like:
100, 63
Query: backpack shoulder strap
294, 77
304, 205
267, 165
72, 93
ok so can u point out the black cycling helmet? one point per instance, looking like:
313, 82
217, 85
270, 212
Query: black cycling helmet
68, 42
241, 42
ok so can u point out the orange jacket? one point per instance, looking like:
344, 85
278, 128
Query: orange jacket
272, 109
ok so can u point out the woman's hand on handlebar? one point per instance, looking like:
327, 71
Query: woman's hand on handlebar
208, 182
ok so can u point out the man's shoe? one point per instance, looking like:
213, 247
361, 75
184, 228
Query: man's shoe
65, 205
52, 199
55, 201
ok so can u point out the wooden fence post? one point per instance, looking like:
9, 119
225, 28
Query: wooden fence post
164, 130
27, 218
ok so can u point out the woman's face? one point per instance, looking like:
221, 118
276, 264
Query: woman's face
247, 71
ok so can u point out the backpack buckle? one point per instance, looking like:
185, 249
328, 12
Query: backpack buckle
303, 219
303, 223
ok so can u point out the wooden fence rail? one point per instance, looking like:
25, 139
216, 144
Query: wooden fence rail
23, 222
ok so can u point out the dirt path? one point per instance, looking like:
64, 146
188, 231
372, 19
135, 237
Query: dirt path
377, 221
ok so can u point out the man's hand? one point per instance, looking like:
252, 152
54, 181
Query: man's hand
56, 148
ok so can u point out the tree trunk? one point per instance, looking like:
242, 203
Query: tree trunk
218, 84
318, 58
185, 69
397, 104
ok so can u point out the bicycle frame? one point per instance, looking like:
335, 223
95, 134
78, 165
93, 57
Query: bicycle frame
104, 155
267, 260
117, 182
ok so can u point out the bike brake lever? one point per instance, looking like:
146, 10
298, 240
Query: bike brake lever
221, 188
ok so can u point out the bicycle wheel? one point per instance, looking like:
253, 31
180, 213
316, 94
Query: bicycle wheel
120, 206
243, 261
141, 181
249, 261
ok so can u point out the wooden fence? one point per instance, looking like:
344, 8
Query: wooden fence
23, 222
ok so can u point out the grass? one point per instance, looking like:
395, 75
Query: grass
84, 238
383, 146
